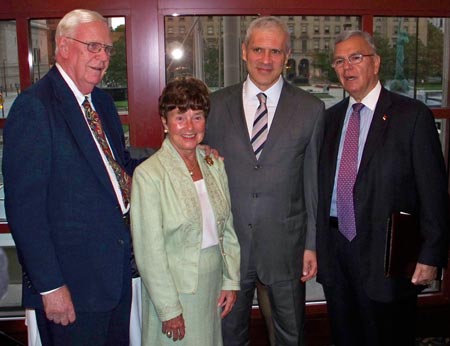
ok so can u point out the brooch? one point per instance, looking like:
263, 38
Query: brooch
209, 160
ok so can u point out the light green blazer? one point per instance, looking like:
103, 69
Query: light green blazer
167, 226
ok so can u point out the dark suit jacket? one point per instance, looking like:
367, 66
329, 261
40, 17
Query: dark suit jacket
60, 204
402, 169
273, 199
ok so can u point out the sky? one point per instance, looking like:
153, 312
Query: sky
116, 21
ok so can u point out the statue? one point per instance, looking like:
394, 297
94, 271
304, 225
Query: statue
400, 84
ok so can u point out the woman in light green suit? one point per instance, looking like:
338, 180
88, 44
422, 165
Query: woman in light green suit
185, 246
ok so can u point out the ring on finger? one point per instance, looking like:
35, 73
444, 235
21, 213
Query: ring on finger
169, 334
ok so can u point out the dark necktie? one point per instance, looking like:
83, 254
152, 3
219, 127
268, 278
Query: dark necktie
260, 129
348, 170
95, 124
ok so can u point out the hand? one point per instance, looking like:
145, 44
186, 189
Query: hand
424, 274
58, 306
309, 265
208, 150
174, 328
226, 301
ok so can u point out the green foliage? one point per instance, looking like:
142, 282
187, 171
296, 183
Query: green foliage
116, 75
434, 51
322, 61
211, 65
420, 63
387, 54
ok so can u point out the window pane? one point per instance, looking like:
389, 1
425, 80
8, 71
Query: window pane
11, 304
412, 55
9, 66
209, 48
9, 85
43, 46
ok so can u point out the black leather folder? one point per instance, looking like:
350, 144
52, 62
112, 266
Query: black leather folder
403, 244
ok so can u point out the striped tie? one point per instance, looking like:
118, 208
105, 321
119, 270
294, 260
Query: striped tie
260, 129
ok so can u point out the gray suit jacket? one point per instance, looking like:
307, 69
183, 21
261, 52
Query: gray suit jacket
273, 199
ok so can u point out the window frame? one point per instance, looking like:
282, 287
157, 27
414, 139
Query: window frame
145, 57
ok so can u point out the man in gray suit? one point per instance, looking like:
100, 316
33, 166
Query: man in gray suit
273, 181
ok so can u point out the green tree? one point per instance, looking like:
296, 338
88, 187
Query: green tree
322, 61
387, 55
211, 65
117, 72
434, 51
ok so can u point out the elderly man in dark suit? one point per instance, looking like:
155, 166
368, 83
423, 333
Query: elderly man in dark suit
269, 133
66, 180
381, 155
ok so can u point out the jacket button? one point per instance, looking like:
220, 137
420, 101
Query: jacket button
121, 242
257, 167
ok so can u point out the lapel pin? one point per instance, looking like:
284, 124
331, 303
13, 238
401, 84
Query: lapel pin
209, 160
385, 117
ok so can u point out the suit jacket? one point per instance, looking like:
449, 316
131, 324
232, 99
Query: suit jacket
167, 227
274, 198
61, 208
402, 169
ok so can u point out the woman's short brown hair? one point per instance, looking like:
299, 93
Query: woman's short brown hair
184, 93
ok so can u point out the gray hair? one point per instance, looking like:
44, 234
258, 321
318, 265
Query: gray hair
69, 23
268, 22
347, 34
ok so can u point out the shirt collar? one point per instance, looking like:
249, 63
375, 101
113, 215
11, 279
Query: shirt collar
273, 93
78, 94
371, 99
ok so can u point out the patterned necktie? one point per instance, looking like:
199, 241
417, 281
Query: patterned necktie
260, 129
95, 124
348, 170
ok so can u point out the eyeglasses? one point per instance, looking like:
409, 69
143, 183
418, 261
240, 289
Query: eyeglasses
353, 59
96, 47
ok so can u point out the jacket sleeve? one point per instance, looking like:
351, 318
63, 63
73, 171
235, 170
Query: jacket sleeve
431, 184
229, 243
27, 161
149, 245
310, 174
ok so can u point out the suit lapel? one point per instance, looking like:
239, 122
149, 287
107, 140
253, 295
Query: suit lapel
176, 171
331, 143
237, 118
71, 112
377, 128
281, 118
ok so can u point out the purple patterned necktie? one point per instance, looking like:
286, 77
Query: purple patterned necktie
348, 170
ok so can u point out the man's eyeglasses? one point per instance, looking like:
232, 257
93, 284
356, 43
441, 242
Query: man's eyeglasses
353, 59
96, 47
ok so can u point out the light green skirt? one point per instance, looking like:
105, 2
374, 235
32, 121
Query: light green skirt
200, 312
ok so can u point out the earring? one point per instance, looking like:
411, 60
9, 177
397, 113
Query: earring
166, 131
